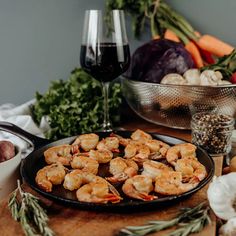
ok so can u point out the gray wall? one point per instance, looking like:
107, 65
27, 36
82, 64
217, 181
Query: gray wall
40, 39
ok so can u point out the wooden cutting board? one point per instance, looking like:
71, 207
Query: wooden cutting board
68, 221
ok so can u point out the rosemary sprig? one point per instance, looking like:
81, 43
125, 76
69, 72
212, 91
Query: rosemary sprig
190, 220
29, 213
193, 226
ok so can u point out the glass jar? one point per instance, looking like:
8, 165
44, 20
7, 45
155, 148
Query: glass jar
212, 132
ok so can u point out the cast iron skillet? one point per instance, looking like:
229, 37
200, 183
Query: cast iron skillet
35, 161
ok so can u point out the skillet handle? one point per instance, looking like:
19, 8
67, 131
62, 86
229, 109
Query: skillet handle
33, 140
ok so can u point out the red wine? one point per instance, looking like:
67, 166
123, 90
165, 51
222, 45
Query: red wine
106, 61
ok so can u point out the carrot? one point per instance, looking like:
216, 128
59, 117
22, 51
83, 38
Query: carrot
214, 45
156, 37
207, 57
169, 34
193, 50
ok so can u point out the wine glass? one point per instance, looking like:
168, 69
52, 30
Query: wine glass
104, 51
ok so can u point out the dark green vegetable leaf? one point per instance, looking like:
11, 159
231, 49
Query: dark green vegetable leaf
226, 65
75, 105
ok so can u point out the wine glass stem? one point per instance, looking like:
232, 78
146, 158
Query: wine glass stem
106, 120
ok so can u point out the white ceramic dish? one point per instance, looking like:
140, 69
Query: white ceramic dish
9, 173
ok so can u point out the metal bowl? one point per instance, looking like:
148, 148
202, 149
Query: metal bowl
174, 105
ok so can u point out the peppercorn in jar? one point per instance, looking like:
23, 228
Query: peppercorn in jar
212, 132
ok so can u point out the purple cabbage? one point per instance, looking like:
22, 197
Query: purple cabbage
153, 60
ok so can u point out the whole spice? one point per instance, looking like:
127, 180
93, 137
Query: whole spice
190, 220
29, 213
212, 132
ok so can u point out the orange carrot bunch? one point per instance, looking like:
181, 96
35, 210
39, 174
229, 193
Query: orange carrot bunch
204, 49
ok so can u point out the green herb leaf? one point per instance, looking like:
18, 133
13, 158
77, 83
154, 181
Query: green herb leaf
75, 105
27, 208
226, 65
190, 220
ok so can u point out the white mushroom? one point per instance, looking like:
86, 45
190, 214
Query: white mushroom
173, 78
219, 75
192, 76
224, 82
210, 77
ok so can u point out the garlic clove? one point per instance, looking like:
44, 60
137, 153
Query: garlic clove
192, 76
228, 229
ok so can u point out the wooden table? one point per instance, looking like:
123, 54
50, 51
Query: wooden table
67, 221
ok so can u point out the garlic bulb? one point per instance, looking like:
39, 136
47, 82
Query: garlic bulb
222, 195
173, 78
228, 229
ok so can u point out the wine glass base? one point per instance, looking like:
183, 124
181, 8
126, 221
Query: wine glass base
107, 128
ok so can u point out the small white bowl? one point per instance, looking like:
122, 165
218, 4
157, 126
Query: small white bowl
9, 173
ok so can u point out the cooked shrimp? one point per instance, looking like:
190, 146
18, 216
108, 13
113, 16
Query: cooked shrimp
140, 135
48, 176
87, 141
190, 168
170, 183
96, 193
122, 141
183, 150
157, 146
87, 183
122, 169
76, 178
102, 156
137, 151
139, 187
73, 180
84, 163
154, 168
109, 143
61, 153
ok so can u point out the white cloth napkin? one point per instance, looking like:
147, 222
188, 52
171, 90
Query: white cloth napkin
21, 116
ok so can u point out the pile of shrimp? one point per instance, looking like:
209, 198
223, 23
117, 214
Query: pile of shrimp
140, 166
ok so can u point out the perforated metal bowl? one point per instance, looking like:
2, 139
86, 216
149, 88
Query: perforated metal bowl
174, 105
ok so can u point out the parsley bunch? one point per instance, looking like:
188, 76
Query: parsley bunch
75, 105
